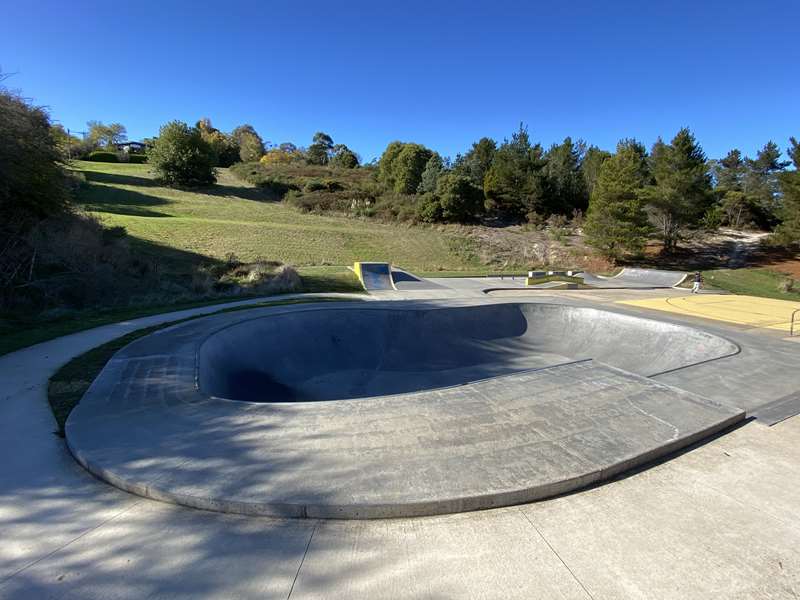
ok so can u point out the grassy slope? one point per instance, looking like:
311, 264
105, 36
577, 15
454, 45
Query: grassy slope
751, 282
185, 228
231, 217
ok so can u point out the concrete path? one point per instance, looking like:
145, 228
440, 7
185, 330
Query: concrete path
720, 521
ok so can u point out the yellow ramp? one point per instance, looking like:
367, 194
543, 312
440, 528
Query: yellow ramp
742, 310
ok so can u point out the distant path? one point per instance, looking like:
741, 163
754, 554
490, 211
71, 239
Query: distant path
743, 246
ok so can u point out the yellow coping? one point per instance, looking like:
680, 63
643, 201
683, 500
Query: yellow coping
359, 274
765, 313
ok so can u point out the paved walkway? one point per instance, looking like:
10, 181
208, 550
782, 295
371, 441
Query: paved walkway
721, 521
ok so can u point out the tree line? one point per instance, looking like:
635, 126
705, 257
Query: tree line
628, 195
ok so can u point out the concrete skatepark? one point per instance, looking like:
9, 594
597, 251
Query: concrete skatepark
526, 409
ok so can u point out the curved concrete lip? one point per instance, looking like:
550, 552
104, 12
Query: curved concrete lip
515, 417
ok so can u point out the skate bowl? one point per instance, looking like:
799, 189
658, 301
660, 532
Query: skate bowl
392, 409
354, 353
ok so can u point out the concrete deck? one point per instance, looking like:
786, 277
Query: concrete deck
526, 412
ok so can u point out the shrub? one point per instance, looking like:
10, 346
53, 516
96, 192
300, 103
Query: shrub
786, 285
103, 156
181, 156
327, 185
137, 158
318, 202
428, 208
275, 186
456, 201
32, 182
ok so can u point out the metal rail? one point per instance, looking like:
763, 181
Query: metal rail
791, 325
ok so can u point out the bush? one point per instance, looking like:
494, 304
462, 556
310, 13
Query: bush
181, 156
137, 159
326, 185
456, 201
318, 202
32, 182
103, 156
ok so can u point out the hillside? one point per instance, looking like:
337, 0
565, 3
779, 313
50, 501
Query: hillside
234, 217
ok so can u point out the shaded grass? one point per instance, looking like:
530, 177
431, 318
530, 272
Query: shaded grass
68, 385
20, 331
751, 282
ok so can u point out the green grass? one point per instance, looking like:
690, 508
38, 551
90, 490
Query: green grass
68, 385
233, 217
750, 282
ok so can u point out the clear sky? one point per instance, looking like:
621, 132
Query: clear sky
440, 73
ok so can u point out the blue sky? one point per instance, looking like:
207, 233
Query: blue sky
440, 73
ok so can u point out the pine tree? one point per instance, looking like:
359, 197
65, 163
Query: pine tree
590, 166
616, 222
681, 192
515, 184
430, 175
788, 232
566, 184
761, 182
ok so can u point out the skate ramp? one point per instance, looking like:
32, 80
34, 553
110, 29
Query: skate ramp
637, 278
374, 275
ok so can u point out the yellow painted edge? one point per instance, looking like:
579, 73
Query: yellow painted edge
357, 269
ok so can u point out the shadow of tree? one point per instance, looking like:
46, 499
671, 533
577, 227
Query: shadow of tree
120, 179
120, 201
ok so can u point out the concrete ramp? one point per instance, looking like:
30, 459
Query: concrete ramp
378, 276
631, 277
374, 275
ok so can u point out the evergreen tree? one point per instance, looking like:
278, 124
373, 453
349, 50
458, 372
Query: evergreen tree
735, 207
788, 232
729, 172
761, 182
681, 192
475, 163
616, 222
590, 166
566, 184
430, 175
515, 184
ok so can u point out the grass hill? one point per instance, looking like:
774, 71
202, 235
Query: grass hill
236, 217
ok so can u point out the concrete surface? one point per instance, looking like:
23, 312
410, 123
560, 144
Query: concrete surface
374, 275
521, 420
750, 311
719, 521
637, 278
302, 353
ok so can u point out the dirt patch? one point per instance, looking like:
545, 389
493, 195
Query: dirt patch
526, 247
